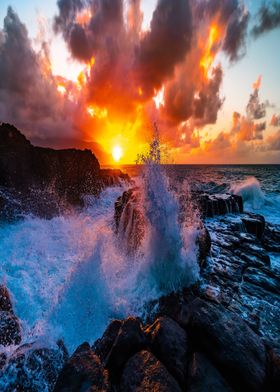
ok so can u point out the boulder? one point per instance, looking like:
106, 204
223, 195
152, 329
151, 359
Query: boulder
144, 372
83, 372
204, 377
5, 300
130, 339
227, 340
33, 368
103, 346
168, 342
10, 332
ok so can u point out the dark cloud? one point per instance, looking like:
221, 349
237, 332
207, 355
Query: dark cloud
229, 13
268, 18
28, 94
165, 45
255, 109
235, 39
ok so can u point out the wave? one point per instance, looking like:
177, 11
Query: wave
69, 276
251, 192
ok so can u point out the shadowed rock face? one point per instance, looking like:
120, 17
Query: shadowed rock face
143, 372
43, 180
236, 350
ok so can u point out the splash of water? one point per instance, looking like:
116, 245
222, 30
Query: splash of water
69, 276
250, 190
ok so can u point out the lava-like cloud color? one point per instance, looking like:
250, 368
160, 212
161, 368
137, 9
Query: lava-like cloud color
168, 74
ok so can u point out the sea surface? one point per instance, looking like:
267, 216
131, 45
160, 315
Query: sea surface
69, 276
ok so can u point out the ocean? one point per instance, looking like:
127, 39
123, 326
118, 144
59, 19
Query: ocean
69, 276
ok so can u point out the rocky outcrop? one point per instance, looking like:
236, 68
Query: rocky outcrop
145, 373
83, 372
204, 377
10, 329
236, 350
219, 204
10, 332
42, 180
168, 341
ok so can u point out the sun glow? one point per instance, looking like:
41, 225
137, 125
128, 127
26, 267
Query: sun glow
117, 153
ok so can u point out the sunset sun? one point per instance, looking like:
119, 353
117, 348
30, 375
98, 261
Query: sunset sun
117, 153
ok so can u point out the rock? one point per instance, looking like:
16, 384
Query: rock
103, 346
204, 377
10, 332
143, 372
130, 339
204, 245
274, 369
168, 342
129, 220
83, 372
219, 204
33, 368
271, 238
228, 341
42, 180
113, 177
5, 300
255, 224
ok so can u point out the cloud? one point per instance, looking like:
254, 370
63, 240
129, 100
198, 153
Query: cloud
273, 142
28, 94
268, 18
275, 120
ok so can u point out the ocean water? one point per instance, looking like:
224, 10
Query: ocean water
69, 276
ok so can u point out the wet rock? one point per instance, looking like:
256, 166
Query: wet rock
255, 224
10, 332
271, 238
32, 368
129, 220
130, 339
5, 300
103, 346
204, 377
265, 279
218, 204
274, 369
204, 245
83, 372
228, 341
143, 372
168, 342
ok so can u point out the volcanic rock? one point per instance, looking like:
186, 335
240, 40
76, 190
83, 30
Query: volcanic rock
168, 341
83, 372
228, 341
130, 339
143, 372
43, 180
5, 300
103, 346
204, 377
10, 332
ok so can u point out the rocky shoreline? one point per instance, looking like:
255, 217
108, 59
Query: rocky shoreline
222, 334
47, 182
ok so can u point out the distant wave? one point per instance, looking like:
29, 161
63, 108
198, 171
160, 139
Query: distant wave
250, 190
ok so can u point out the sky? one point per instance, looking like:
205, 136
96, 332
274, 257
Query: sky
99, 76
